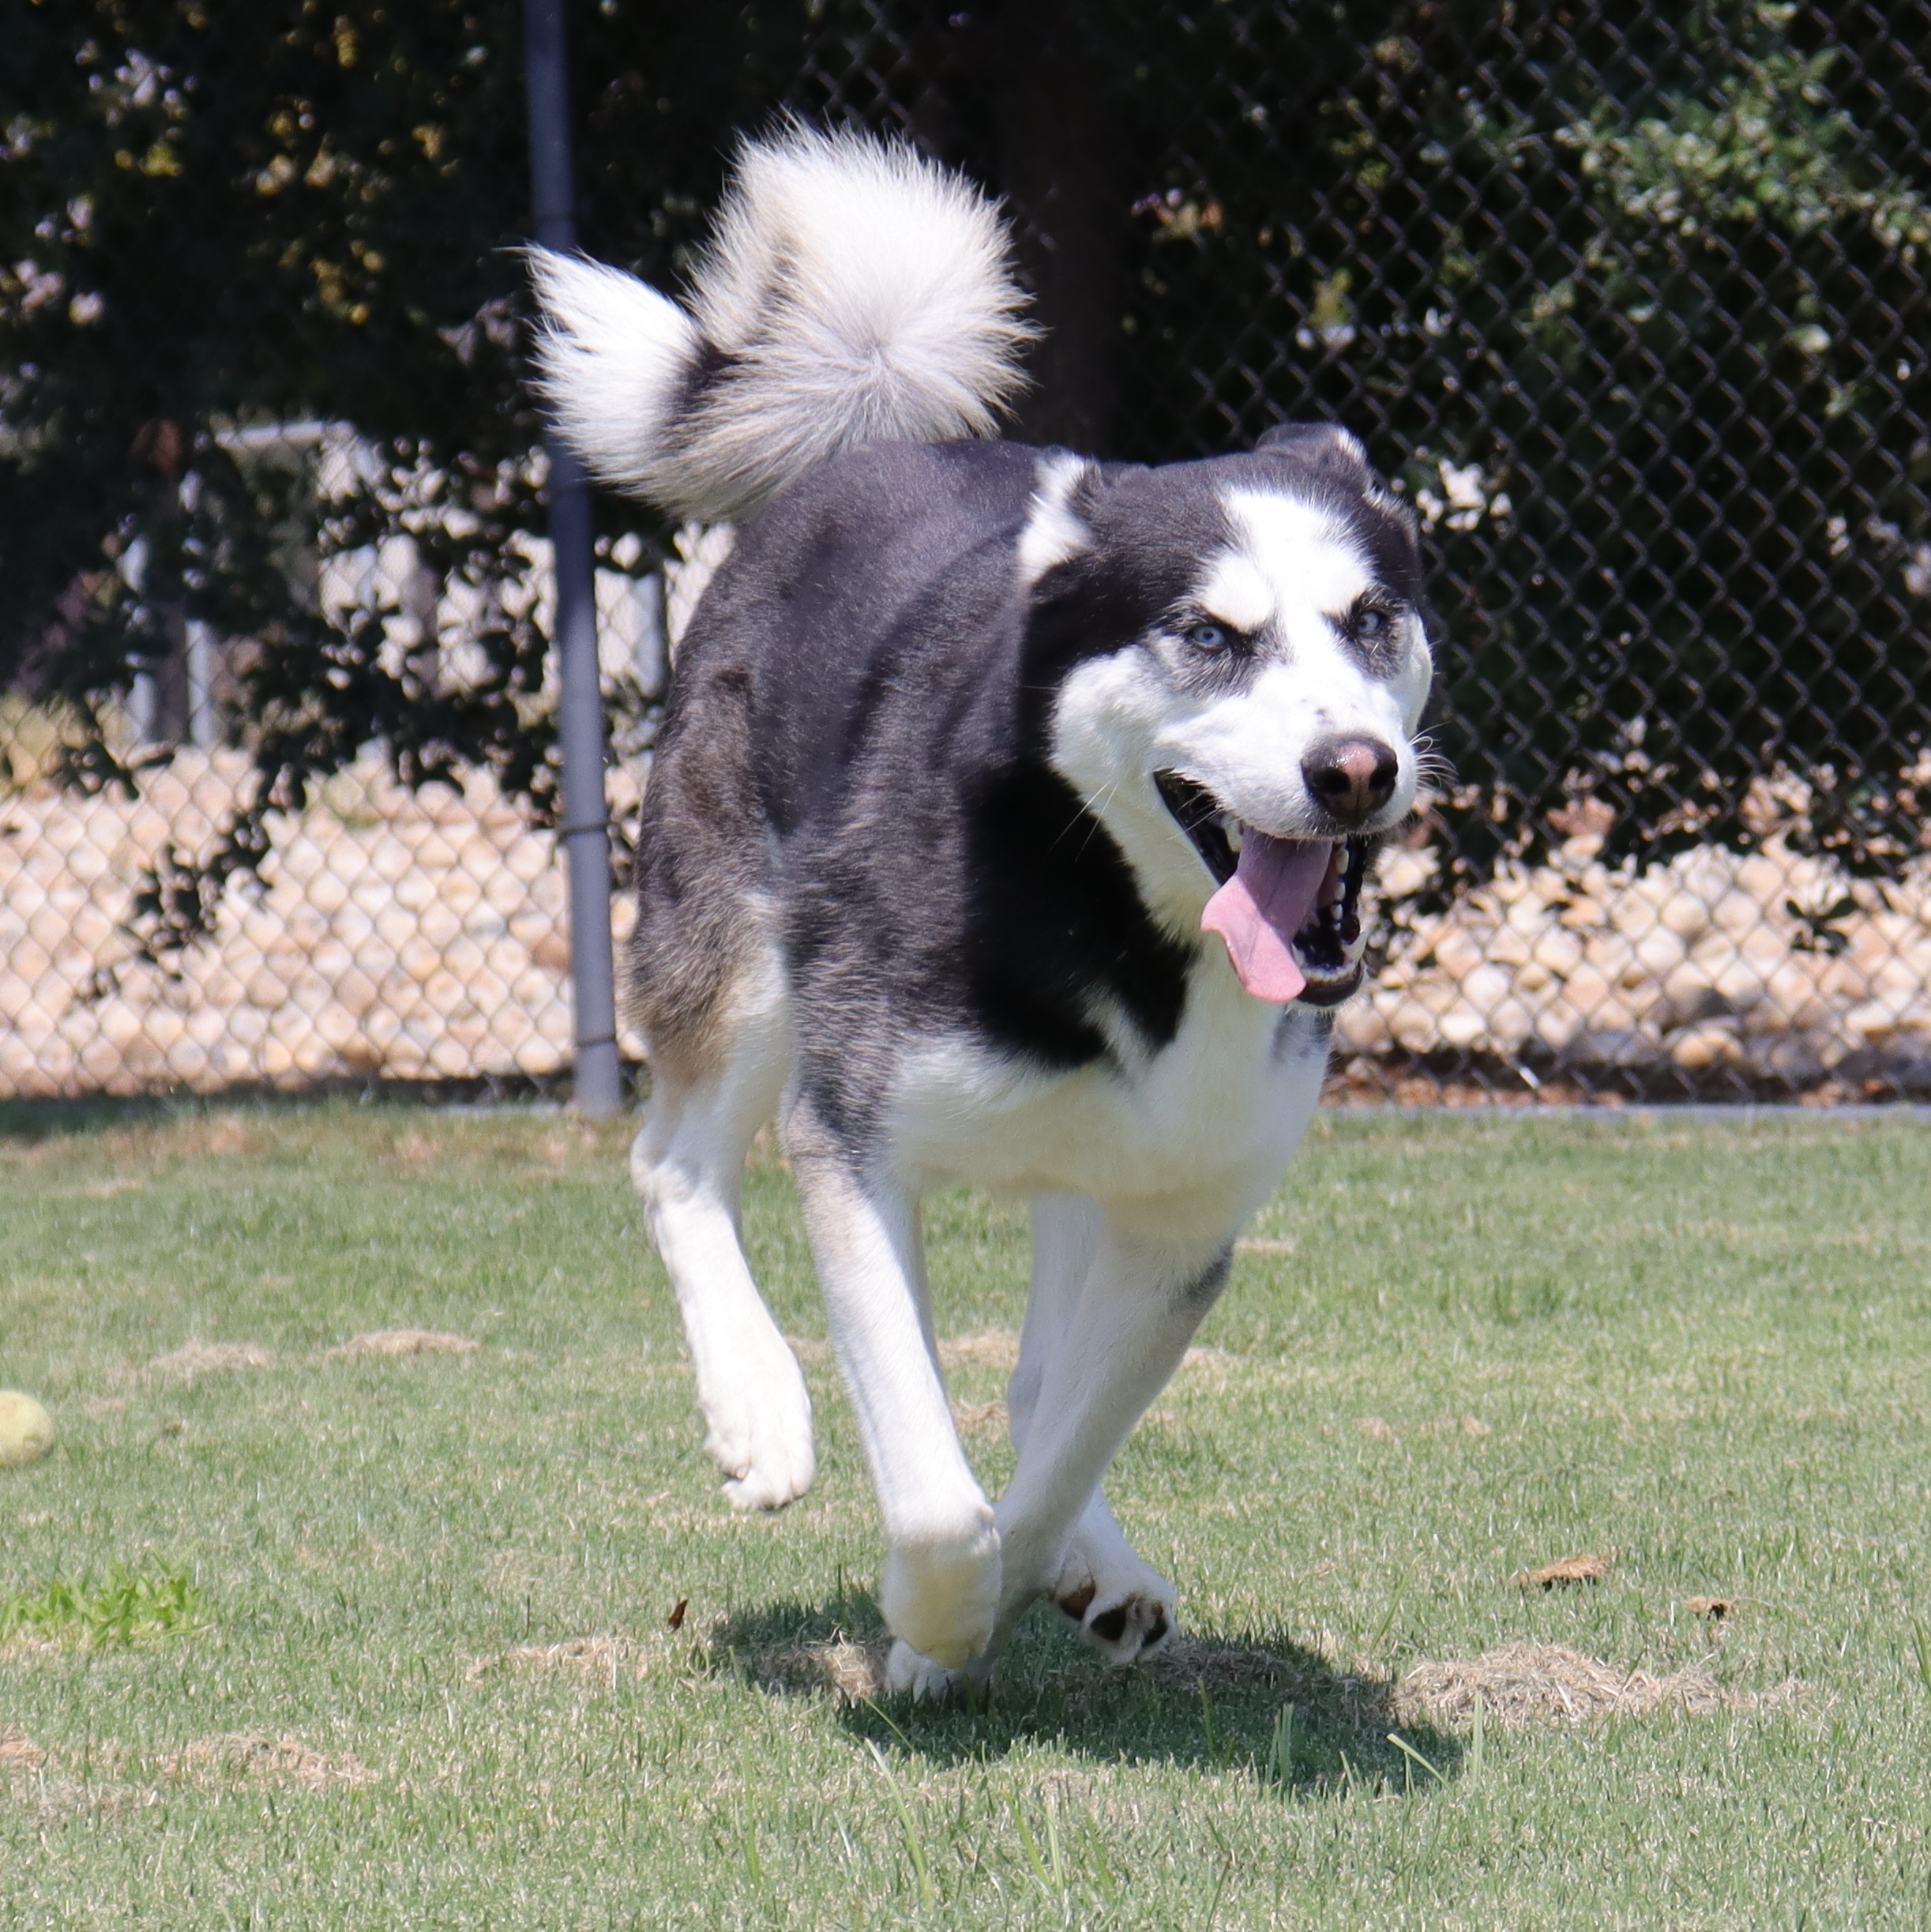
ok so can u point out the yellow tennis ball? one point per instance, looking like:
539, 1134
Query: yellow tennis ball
26, 1430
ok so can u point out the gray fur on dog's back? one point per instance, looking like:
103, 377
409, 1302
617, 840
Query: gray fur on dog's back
821, 678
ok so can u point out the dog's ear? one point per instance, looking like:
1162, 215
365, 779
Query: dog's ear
1325, 447
1324, 456
1325, 453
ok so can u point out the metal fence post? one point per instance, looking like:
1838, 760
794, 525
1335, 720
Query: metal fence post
586, 835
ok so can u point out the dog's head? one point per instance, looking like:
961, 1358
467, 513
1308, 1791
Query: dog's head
1237, 656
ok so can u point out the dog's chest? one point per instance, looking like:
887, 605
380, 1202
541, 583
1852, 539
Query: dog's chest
1213, 1116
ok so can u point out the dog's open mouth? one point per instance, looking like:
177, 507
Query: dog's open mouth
1289, 910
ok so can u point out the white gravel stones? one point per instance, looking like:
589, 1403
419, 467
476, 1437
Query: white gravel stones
1700, 964
396, 935
411, 936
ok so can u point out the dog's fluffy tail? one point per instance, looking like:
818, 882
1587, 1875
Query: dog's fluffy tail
851, 293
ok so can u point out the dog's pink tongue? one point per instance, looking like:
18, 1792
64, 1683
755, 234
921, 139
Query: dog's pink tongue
1258, 911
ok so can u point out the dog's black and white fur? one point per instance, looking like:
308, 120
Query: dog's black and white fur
961, 743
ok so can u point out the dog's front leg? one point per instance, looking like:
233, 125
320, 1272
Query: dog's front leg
1138, 1308
940, 1591
1124, 1606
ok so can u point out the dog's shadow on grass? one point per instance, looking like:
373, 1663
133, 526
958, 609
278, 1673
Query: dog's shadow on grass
1258, 1702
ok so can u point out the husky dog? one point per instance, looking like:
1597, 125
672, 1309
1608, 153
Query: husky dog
1008, 825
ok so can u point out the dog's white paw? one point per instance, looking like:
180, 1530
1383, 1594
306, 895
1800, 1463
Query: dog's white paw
758, 1431
940, 1597
1124, 1608
908, 1673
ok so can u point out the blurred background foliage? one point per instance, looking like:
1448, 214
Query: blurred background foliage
1632, 301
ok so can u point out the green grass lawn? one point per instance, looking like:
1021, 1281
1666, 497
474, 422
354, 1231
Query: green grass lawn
1459, 1348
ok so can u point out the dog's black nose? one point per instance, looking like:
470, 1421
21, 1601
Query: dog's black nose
1353, 778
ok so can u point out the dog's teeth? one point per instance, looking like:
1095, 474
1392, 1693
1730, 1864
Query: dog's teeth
1232, 827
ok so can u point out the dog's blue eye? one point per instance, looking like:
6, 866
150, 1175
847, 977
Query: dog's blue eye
1371, 623
1207, 637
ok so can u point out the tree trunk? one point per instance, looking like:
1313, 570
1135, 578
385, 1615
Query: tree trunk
1062, 163
171, 719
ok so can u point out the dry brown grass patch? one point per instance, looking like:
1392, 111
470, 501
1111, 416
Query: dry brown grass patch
1570, 1569
993, 1349
222, 1136
562, 1146
283, 1760
595, 1659
1213, 1365
1549, 1684
390, 1343
106, 1190
195, 1358
1445, 1428
849, 1669
53, 1801
416, 1151
980, 1417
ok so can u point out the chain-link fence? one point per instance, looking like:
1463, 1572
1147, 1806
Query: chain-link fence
1631, 302
389, 932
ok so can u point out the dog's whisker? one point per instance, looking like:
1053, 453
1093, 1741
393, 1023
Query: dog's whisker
1092, 804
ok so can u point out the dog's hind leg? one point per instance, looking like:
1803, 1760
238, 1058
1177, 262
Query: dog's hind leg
1123, 1605
688, 1166
940, 1591
1143, 1296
